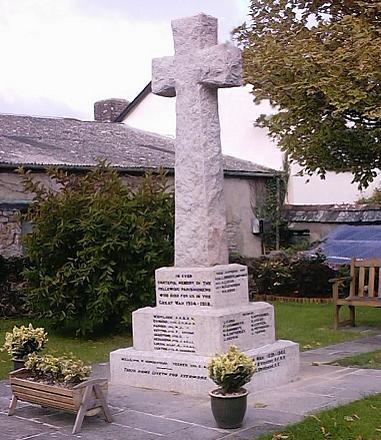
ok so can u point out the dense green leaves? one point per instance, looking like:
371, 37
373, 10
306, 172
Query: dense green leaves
319, 62
12, 301
299, 276
231, 370
95, 246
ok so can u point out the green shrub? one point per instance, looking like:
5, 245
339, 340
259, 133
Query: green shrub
64, 370
344, 271
12, 298
312, 276
301, 276
275, 277
94, 247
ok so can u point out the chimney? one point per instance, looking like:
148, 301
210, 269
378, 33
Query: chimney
109, 109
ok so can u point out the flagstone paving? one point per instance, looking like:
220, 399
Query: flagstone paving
147, 414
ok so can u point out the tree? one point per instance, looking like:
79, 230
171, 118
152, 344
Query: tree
319, 63
95, 246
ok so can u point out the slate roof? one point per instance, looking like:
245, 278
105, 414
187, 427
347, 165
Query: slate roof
70, 143
345, 213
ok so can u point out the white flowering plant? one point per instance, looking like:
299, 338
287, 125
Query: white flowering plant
24, 340
64, 370
231, 370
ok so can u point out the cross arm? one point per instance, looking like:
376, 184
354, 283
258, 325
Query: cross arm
221, 66
163, 81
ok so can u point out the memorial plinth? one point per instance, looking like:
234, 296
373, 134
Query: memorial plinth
200, 312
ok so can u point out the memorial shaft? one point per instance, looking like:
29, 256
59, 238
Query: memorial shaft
200, 218
194, 74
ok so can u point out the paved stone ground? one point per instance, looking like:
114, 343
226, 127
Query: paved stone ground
146, 414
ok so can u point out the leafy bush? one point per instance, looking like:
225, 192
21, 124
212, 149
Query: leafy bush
24, 340
275, 278
312, 276
94, 247
57, 370
12, 298
231, 370
300, 276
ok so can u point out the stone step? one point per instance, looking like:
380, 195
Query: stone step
202, 287
201, 331
277, 364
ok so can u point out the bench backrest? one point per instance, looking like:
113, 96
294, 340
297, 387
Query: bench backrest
366, 278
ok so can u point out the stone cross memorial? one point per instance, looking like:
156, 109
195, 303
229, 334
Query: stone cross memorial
202, 303
194, 74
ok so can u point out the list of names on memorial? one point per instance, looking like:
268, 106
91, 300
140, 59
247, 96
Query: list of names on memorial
228, 281
174, 333
251, 323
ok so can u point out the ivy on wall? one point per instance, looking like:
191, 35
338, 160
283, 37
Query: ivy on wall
270, 211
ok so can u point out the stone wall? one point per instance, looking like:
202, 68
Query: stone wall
11, 188
241, 198
10, 232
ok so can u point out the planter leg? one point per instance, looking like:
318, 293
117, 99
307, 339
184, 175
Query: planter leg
99, 395
82, 410
12, 406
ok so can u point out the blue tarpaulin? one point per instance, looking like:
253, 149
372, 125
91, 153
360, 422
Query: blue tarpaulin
347, 241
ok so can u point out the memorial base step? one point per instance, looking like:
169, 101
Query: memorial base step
166, 329
277, 364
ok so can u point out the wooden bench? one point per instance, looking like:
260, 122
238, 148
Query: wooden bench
364, 289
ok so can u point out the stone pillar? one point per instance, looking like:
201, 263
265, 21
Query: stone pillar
10, 232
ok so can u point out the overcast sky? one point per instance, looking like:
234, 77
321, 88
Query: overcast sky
60, 56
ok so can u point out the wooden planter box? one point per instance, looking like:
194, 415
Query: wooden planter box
87, 398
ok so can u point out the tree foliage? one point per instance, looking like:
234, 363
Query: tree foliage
373, 199
95, 246
319, 62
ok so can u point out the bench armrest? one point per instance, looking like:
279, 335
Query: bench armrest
339, 279
336, 283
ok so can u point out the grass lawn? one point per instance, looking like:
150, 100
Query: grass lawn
359, 420
311, 324
364, 360
90, 350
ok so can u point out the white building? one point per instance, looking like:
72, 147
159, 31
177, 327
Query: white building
242, 139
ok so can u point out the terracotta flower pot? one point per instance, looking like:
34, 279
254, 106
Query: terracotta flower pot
229, 409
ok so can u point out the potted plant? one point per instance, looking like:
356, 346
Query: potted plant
22, 341
62, 383
230, 371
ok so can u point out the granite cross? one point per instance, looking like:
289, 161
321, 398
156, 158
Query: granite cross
199, 67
